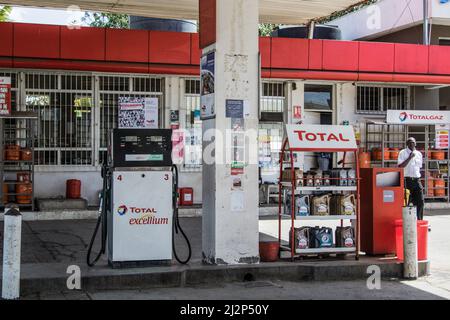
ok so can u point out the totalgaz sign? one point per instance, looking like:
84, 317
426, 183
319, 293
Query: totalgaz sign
418, 117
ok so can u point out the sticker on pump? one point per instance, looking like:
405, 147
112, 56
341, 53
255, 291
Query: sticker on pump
144, 157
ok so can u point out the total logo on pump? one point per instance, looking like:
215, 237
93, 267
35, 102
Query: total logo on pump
122, 210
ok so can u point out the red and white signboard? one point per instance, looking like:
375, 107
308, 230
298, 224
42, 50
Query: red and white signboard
5, 96
321, 138
442, 136
418, 117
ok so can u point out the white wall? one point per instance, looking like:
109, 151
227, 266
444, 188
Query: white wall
53, 184
381, 18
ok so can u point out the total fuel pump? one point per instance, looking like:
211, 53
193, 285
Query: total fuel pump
138, 213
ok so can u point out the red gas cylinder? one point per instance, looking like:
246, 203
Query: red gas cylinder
73, 189
186, 196
422, 239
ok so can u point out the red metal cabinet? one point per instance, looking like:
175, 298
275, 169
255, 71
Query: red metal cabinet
382, 195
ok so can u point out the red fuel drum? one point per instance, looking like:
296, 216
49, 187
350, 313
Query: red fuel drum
382, 196
73, 189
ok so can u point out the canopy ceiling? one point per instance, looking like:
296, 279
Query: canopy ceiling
271, 11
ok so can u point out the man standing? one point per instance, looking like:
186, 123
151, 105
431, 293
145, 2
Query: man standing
412, 160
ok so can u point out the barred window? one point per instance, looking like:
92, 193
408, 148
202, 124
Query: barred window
114, 87
64, 105
272, 99
377, 100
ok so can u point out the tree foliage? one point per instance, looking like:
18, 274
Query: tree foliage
265, 29
344, 12
4, 13
106, 20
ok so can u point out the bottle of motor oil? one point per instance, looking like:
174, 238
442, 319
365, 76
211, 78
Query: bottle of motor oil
345, 237
318, 178
322, 237
303, 206
326, 178
320, 205
351, 174
343, 204
301, 238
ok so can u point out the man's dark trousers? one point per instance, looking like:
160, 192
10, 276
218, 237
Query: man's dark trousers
415, 186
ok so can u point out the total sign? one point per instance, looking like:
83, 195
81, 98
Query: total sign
318, 137
418, 117
5, 96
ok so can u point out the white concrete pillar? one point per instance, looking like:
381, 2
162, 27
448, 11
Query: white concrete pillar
230, 212
410, 263
11, 254
172, 98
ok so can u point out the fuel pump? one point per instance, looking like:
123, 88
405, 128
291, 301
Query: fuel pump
138, 213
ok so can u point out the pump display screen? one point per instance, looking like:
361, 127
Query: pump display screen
131, 139
141, 148
156, 139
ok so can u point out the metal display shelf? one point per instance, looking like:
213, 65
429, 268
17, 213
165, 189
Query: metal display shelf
330, 217
285, 251
17, 129
386, 136
285, 186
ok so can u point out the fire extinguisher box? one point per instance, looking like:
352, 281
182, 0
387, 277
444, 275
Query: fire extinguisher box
382, 196
186, 196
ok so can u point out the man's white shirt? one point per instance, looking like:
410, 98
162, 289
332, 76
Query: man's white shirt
412, 170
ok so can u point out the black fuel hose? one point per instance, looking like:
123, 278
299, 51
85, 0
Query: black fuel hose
176, 220
101, 221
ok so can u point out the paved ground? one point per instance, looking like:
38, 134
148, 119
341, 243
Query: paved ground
65, 242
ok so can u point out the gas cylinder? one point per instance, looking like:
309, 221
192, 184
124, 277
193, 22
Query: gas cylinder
320, 205
24, 191
12, 152
5, 193
439, 188
73, 189
23, 177
26, 154
393, 153
364, 160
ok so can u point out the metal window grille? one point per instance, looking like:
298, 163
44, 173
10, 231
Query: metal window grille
377, 100
272, 99
112, 87
65, 107
193, 141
